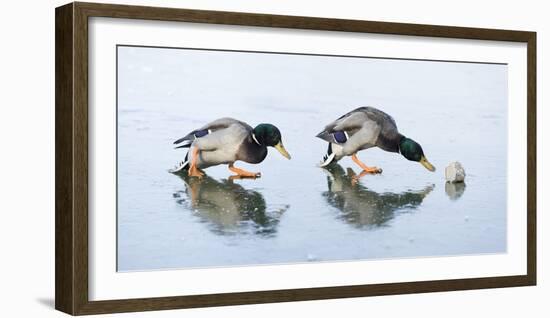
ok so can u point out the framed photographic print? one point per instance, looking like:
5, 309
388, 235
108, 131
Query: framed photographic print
211, 158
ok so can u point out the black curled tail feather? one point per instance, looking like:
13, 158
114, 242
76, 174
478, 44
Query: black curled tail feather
328, 158
181, 166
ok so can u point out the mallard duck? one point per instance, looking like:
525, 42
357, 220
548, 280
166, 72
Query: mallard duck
367, 127
225, 141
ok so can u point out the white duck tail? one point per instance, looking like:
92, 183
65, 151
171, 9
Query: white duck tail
183, 165
328, 158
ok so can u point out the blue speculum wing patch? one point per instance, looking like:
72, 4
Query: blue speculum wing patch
201, 133
340, 137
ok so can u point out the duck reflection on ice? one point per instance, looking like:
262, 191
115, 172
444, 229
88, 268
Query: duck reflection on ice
362, 207
229, 208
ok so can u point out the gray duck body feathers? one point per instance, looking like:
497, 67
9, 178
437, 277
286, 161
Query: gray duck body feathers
223, 141
359, 129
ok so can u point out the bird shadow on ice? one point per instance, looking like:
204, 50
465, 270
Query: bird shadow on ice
363, 208
229, 208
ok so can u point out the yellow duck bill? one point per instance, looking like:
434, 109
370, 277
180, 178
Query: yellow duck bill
427, 164
282, 150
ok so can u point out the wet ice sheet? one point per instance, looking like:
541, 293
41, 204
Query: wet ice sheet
297, 212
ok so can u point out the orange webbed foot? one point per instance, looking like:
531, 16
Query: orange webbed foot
363, 166
241, 173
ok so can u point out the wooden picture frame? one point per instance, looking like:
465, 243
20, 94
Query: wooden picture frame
71, 220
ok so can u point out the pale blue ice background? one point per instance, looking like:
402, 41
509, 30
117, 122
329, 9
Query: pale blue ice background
297, 212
